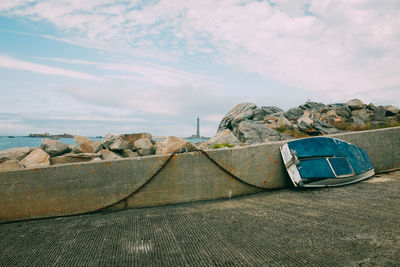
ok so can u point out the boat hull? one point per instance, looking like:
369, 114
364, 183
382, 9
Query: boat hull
325, 161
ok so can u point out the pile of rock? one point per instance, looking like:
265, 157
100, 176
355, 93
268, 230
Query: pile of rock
54, 152
249, 124
244, 124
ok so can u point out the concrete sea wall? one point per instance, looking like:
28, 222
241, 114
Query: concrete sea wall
131, 183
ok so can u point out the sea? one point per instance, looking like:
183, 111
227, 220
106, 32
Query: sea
7, 142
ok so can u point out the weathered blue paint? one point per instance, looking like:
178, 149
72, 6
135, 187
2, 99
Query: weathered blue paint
327, 158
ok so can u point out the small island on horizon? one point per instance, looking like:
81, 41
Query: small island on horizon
48, 135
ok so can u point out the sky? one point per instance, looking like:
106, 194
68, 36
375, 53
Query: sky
119, 66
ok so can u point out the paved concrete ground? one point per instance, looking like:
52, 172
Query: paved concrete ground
357, 224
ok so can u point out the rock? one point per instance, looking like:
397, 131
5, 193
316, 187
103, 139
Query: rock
294, 113
174, 144
105, 154
54, 147
391, 110
330, 117
307, 128
283, 122
268, 110
379, 114
324, 128
253, 132
126, 141
11, 164
73, 158
144, 147
355, 104
357, 121
244, 111
86, 145
37, 158
343, 112
108, 140
17, 153
371, 106
310, 105
127, 153
315, 115
363, 114
306, 119
222, 137
305, 124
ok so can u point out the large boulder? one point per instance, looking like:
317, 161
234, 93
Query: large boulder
391, 110
272, 119
73, 158
356, 122
282, 122
355, 104
242, 112
108, 140
305, 119
86, 145
174, 144
223, 137
127, 153
11, 164
17, 153
127, 141
105, 154
144, 147
310, 105
54, 147
363, 114
253, 132
324, 128
294, 113
379, 114
268, 110
314, 126
330, 116
37, 158
342, 111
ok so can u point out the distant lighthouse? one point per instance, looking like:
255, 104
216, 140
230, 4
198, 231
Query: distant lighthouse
198, 128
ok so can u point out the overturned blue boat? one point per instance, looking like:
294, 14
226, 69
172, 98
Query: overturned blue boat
324, 161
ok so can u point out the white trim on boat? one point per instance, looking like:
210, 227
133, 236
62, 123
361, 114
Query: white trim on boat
340, 181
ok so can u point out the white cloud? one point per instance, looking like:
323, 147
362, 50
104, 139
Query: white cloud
347, 48
335, 49
12, 63
147, 73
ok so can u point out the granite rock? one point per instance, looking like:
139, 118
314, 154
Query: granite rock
355, 104
174, 144
73, 158
105, 154
127, 141
253, 132
224, 136
11, 164
54, 147
127, 153
242, 112
17, 153
37, 158
86, 145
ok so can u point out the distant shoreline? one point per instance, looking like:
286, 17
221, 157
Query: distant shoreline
47, 135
